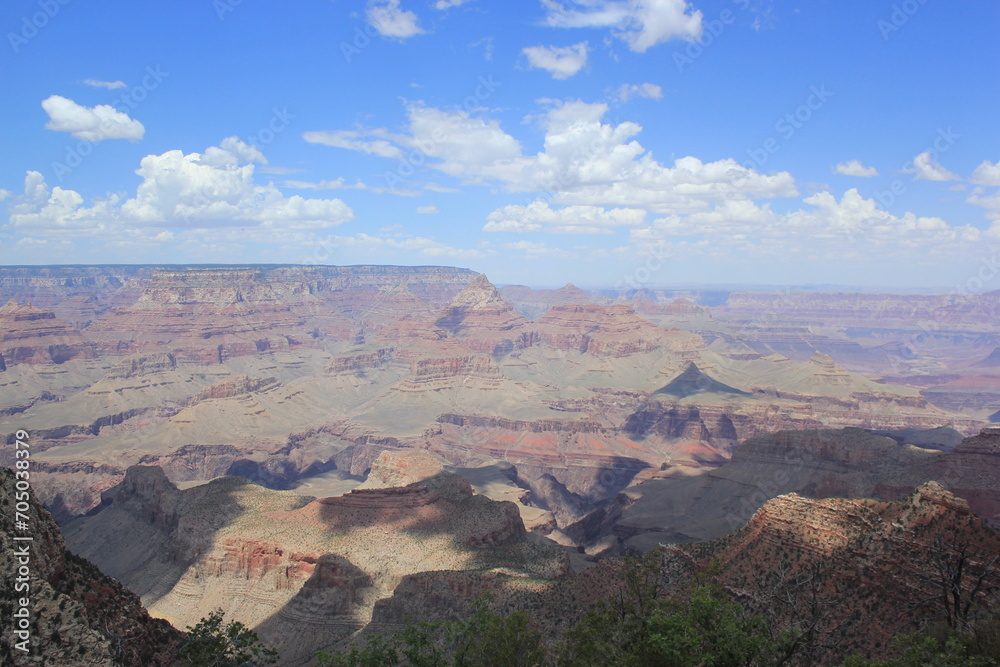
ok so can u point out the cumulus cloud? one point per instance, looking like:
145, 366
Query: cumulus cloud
927, 168
448, 4
987, 173
110, 85
639, 23
855, 168
538, 216
561, 62
584, 160
648, 90
427, 210
90, 123
391, 21
196, 191
852, 226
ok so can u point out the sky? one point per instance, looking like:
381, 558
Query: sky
607, 143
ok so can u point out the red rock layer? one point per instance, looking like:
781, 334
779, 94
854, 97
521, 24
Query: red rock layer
32, 335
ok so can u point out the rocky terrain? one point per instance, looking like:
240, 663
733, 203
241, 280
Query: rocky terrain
849, 574
607, 422
305, 572
78, 615
677, 506
287, 374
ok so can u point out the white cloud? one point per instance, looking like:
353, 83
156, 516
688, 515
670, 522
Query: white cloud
855, 168
110, 85
339, 183
539, 216
487, 44
584, 161
427, 210
4, 194
987, 173
851, 228
648, 90
447, 4
640, 23
199, 191
534, 250
927, 168
561, 62
391, 21
90, 123
350, 139
991, 202
279, 171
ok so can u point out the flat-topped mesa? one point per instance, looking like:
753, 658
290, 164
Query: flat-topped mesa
384, 498
484, 322
33, 335
436, 373
205, 315
610, 331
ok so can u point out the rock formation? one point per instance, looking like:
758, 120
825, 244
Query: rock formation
304, 572
78, 616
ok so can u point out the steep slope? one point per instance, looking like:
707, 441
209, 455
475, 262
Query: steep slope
484, 322
304, 572
848, 574
78, 616
681, 507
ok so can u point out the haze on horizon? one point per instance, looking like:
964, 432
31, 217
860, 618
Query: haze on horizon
588, 141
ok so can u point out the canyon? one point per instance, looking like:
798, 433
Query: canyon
245, 430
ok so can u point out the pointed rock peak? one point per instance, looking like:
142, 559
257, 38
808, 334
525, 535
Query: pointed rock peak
479, 293
692, 380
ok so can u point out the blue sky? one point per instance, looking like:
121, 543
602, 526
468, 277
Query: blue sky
600, 142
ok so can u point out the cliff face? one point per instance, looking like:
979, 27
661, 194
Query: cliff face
484, 322
825, 463
78, 615
31, 335
304, 572
847, 574
856, 552
610, 331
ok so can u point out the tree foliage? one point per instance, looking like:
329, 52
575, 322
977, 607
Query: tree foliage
486, 638
214, 644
